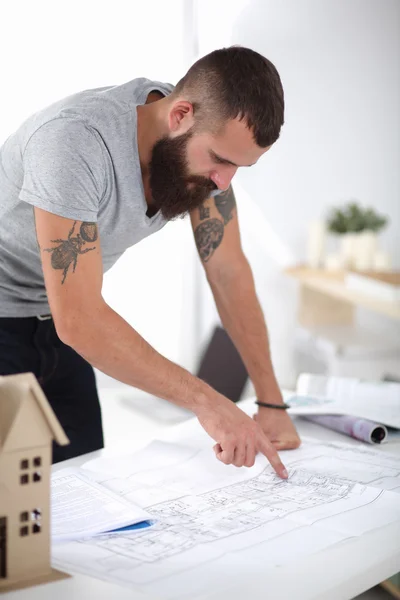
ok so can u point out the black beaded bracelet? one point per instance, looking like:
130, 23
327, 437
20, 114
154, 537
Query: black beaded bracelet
283, 406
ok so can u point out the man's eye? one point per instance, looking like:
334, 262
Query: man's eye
218, 160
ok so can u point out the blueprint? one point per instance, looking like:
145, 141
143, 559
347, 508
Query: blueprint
350, 463
212, 518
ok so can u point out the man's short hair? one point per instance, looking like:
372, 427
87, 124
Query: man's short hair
235, 82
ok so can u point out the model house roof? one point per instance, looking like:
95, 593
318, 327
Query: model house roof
26, 417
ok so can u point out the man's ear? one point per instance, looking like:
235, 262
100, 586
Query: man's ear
180, 117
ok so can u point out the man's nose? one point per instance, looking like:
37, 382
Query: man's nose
223, 176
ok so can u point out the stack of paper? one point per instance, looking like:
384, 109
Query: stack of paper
81, 508
383, 286
360, 409
377, 401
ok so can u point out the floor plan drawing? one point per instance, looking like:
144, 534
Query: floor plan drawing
351, 463
205, 511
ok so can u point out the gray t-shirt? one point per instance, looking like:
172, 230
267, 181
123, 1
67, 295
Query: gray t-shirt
78, 159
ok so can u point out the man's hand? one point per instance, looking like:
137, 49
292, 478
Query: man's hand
239, 438
278, 427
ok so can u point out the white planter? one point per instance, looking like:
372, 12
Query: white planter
347, 242
364, 249
357, 250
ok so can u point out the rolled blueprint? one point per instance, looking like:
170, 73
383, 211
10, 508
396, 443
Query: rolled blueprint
360, 429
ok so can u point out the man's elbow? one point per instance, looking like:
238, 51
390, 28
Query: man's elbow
68, 327
75, 327
224, 273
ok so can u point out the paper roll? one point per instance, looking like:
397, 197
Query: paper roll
360, 429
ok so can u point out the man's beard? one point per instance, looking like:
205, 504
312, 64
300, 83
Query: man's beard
175, 192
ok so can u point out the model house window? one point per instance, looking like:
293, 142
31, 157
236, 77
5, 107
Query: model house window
37, 476
36, 514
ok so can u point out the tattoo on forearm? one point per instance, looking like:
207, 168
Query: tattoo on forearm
66, 253
204, 212
225, 204
208, 236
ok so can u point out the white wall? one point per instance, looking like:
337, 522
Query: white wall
50, 49
339, 61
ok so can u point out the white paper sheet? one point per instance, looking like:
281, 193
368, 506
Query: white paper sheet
210, 512
80, 507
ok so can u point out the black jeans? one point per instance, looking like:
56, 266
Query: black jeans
68, 381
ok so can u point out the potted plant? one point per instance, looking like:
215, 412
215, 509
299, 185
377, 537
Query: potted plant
358, 229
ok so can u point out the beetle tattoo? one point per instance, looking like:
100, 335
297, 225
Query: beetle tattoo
67, 252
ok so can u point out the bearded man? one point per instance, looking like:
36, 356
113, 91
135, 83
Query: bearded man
93, 174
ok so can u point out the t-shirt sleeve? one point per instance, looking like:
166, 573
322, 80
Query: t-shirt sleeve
64, 170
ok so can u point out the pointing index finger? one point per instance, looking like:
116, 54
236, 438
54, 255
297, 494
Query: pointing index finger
271, 454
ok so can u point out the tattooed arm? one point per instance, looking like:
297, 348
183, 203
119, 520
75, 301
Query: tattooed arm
216, 232
73, 273
212, 233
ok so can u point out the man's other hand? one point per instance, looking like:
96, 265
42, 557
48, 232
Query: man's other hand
278, 427
239, 438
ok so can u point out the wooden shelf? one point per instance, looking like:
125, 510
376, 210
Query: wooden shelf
331, 284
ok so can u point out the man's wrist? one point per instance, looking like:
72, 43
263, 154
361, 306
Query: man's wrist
272, 405
202, 400
270, 394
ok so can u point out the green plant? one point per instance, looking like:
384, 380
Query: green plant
352, 219
373, 221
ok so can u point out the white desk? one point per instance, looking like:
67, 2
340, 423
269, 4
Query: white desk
337, 573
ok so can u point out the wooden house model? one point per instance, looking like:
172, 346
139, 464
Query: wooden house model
28, 426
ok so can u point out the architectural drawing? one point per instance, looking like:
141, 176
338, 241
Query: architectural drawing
351, 463
251, 510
